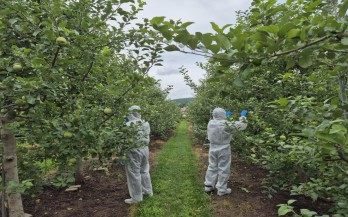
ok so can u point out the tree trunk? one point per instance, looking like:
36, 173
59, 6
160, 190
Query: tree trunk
11, 172
79, 178
343, 82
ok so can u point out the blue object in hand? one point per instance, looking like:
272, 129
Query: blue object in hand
244, 113
126, 119
228, 113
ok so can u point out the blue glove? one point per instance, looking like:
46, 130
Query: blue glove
244, 113
126, 119
228, 113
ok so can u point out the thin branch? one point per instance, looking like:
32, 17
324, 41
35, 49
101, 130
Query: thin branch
342, 170
302, 47
55, 57
88, 71
8, 106
341, 153
209, 56
201, 53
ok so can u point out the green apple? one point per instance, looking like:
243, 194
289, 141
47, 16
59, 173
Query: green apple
107, 111
61, 41
72, 161
17, 67
67, 134
282, 137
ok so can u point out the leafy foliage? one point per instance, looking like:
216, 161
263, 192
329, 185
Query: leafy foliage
62, 63
282, 63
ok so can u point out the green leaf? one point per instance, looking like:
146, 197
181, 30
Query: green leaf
343, 9
238, 82
285, 27
199, 35
184, 25
12, 21
192, 43
291, 201
36, 32
284, 209
271, 29
224, 41
31, 100
293, 33
290, 63
226, 26
305, 61
171, 48
326, 137
336, 128
207, 39
283, 101
182, 37
216, 27
214, 48
344, 41
157, 20
259, 36
307, 213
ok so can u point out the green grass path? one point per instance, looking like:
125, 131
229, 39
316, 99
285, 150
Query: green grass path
177, 189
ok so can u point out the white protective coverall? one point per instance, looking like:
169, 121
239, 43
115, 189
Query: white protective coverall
137, 164
219, 135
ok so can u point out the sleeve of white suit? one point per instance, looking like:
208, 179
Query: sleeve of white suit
238, 125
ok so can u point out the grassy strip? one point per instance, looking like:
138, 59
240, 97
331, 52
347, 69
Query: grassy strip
177, 190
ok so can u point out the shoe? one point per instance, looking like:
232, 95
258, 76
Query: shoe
228, 191
130, 201
208, 188
148, 195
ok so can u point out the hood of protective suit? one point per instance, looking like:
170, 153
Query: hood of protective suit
134, 113
219, 114
217, 129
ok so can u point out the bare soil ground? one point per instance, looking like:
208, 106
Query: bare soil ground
101, 196
247, 199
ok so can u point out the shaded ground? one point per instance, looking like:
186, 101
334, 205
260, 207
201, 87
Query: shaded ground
247, 199
101, 196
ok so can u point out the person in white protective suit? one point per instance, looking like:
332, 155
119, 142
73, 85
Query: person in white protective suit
220, 133
137, 163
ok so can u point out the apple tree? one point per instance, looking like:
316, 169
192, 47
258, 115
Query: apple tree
286, 63
68, 71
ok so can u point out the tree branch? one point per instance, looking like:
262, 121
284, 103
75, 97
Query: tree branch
302, 47
341, 153
55, 57
88, 71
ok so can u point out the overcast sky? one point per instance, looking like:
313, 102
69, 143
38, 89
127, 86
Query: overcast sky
201, 12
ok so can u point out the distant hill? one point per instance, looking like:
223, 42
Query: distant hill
183, 101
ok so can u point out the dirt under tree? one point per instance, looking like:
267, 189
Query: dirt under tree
103, 195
